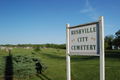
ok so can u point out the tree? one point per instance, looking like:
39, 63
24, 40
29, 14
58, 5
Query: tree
109, 41
106, 45
18, 45
117, 38
37, 48
47, 45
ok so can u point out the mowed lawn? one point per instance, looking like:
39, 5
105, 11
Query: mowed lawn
82, 67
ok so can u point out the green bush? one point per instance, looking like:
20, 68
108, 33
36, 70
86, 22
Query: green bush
106, 45
2, 67
58, 49
37, 49
23, 66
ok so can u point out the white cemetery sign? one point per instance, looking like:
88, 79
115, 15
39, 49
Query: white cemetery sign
86, 39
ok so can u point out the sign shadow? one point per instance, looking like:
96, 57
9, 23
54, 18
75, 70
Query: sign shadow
44, 77
9, 67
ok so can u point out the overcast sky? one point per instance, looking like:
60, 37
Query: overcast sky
44, 21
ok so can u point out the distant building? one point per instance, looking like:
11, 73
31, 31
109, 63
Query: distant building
115, 47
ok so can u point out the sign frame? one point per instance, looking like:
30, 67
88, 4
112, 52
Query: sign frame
100, 44
97, 36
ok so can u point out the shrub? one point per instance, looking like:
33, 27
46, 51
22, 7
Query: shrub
23, 66
37, 49
2, 67
58, 49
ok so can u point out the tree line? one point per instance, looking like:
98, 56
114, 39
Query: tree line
57, 46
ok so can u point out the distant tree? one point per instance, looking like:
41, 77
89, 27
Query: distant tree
29, 45
117, 34
117, 38
52, 45
109, 41
47, 45
37, 49
106, 45
58, 49
62, 46
19, 45
55, 46
7, 45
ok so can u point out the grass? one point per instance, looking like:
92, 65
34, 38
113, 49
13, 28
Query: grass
82, 67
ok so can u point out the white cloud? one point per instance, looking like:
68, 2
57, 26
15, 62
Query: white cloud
88, 8
90, 11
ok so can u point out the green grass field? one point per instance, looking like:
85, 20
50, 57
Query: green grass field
82, 67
